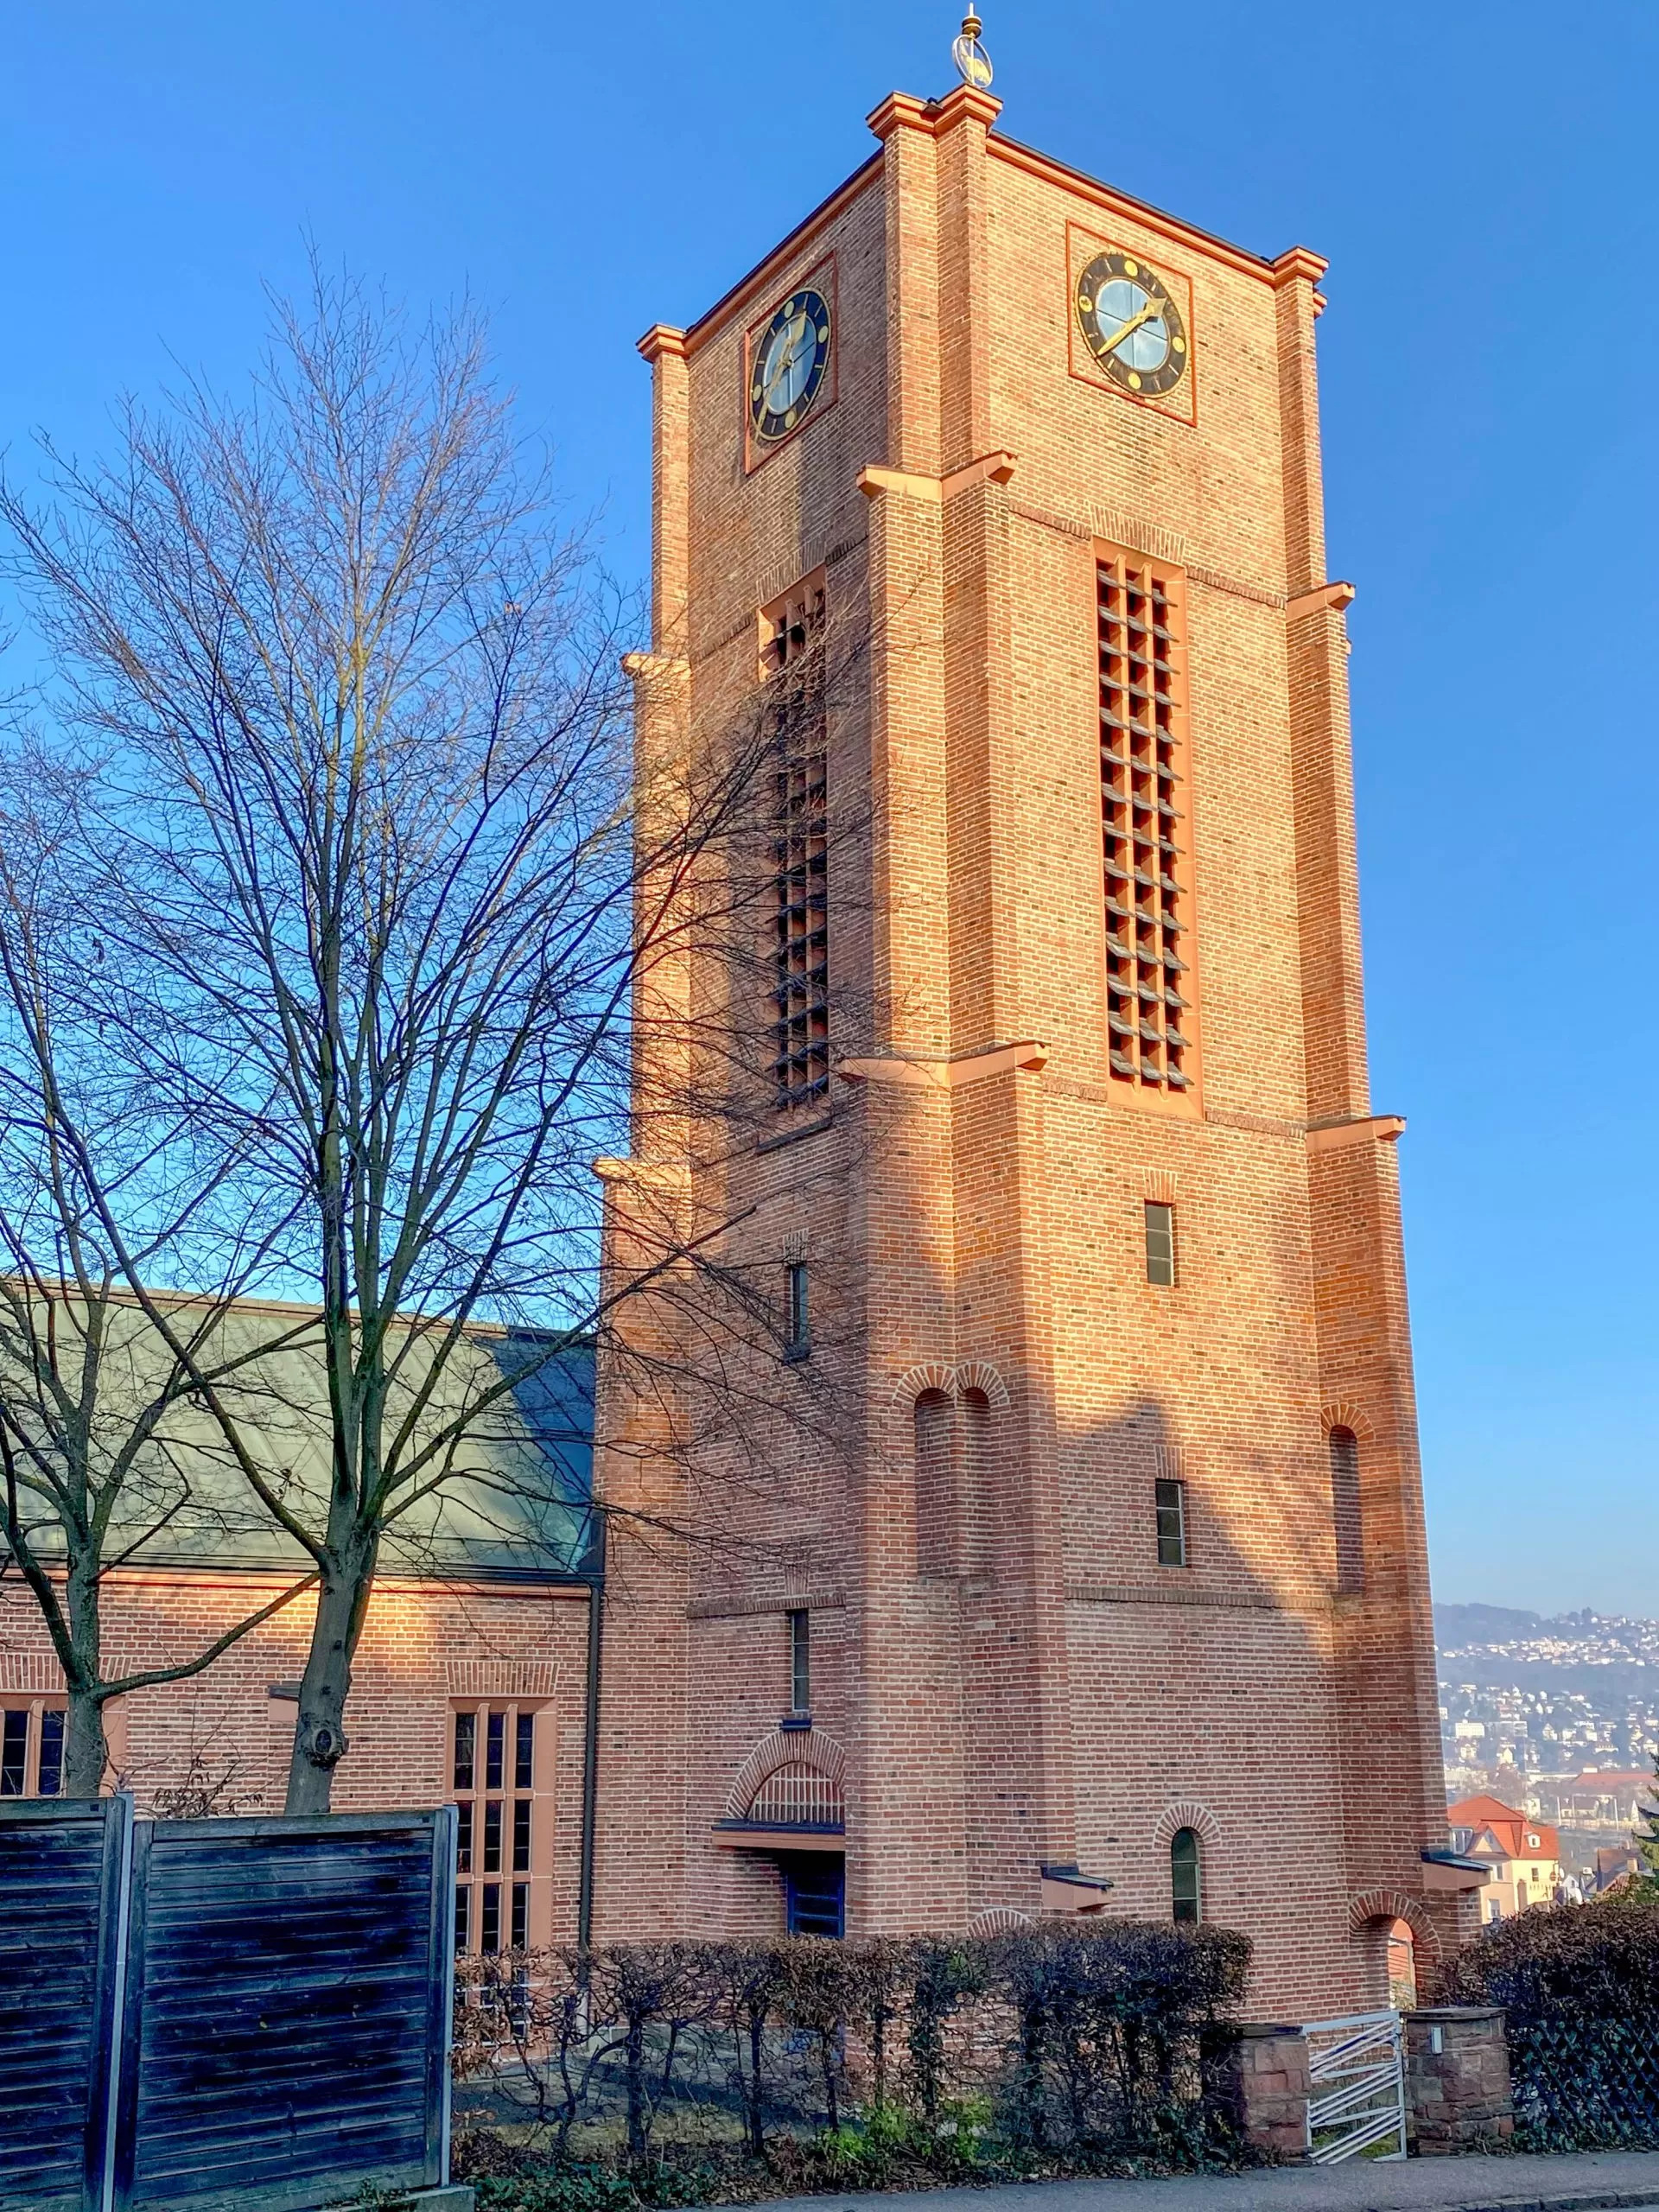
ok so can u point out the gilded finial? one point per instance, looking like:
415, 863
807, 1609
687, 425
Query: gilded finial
973, 63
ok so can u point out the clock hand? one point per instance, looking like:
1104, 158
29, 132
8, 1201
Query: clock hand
1147, 314
795, 334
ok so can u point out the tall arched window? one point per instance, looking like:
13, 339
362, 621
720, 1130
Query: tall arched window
1187, 1874
976, 1545
935, 1533
1344, 1509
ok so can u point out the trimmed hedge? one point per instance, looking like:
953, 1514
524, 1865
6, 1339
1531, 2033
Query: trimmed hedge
662, 2072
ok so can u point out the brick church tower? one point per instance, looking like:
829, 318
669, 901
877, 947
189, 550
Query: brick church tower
1110, 1592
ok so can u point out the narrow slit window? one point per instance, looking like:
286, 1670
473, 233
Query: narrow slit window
1186, 1875
792, 653
797, 1320
1170, 1505
1345, 1510
49, 1783
1146, 841
800, 1661
1161, 1244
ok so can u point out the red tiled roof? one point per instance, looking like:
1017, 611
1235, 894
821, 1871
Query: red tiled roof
1512, 1832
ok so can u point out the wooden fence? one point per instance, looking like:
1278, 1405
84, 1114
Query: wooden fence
198, 2015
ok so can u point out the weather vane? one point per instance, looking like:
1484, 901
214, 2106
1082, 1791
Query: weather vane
973, 63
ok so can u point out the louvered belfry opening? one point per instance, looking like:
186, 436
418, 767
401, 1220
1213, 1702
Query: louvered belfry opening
792, 652
1146, 850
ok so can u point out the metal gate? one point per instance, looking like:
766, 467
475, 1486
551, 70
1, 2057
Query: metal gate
1356, 2075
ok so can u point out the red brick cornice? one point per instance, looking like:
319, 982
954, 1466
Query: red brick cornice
663, 337
1298, 261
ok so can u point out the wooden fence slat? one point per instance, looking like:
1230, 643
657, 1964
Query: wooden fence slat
285, 2036
62, 1869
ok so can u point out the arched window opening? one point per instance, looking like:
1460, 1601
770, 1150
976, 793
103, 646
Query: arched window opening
1403, 1967
936, 1533
1186, 1875
1345, 1510
974, 1489
796, 1795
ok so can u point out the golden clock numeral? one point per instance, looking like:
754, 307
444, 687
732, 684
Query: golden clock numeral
1129, 268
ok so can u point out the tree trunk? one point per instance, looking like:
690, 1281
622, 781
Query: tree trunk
320, 1733
85, 1747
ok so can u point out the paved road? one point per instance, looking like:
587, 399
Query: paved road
1575, 2182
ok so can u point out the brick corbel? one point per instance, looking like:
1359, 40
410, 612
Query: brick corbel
1337, 596
989, 468
657, 1175
646, 668
1030, 1058
1331, 1136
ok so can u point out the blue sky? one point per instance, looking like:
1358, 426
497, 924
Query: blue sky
1479, 176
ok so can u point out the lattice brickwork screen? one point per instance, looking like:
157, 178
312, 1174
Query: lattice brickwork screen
1143, 807
792, 657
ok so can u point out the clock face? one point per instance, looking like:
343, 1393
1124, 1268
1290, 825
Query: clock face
787, 365
1132, 324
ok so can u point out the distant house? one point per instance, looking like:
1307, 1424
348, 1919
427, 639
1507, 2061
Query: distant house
1524, 1854
1616, 1867
1606, 1797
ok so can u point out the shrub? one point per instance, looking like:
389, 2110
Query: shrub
1579, 1986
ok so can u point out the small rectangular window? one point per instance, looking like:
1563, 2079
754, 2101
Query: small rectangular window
1171, 1523
495, 1751
521, 1835
1161, 1244
463, 1915
800, 1662
464, 1836
489, 1933
797, 1340
520, 1916
523, 1757
492, 1835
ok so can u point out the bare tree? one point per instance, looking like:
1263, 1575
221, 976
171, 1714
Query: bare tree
95, 1403
379, 906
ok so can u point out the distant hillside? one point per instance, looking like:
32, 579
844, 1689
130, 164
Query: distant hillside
1609, 1658
1455, 1624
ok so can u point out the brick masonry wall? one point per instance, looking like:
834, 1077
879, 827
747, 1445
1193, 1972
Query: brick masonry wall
425, 1645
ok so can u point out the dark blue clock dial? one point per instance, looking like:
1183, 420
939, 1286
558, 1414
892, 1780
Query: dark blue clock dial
787, 364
